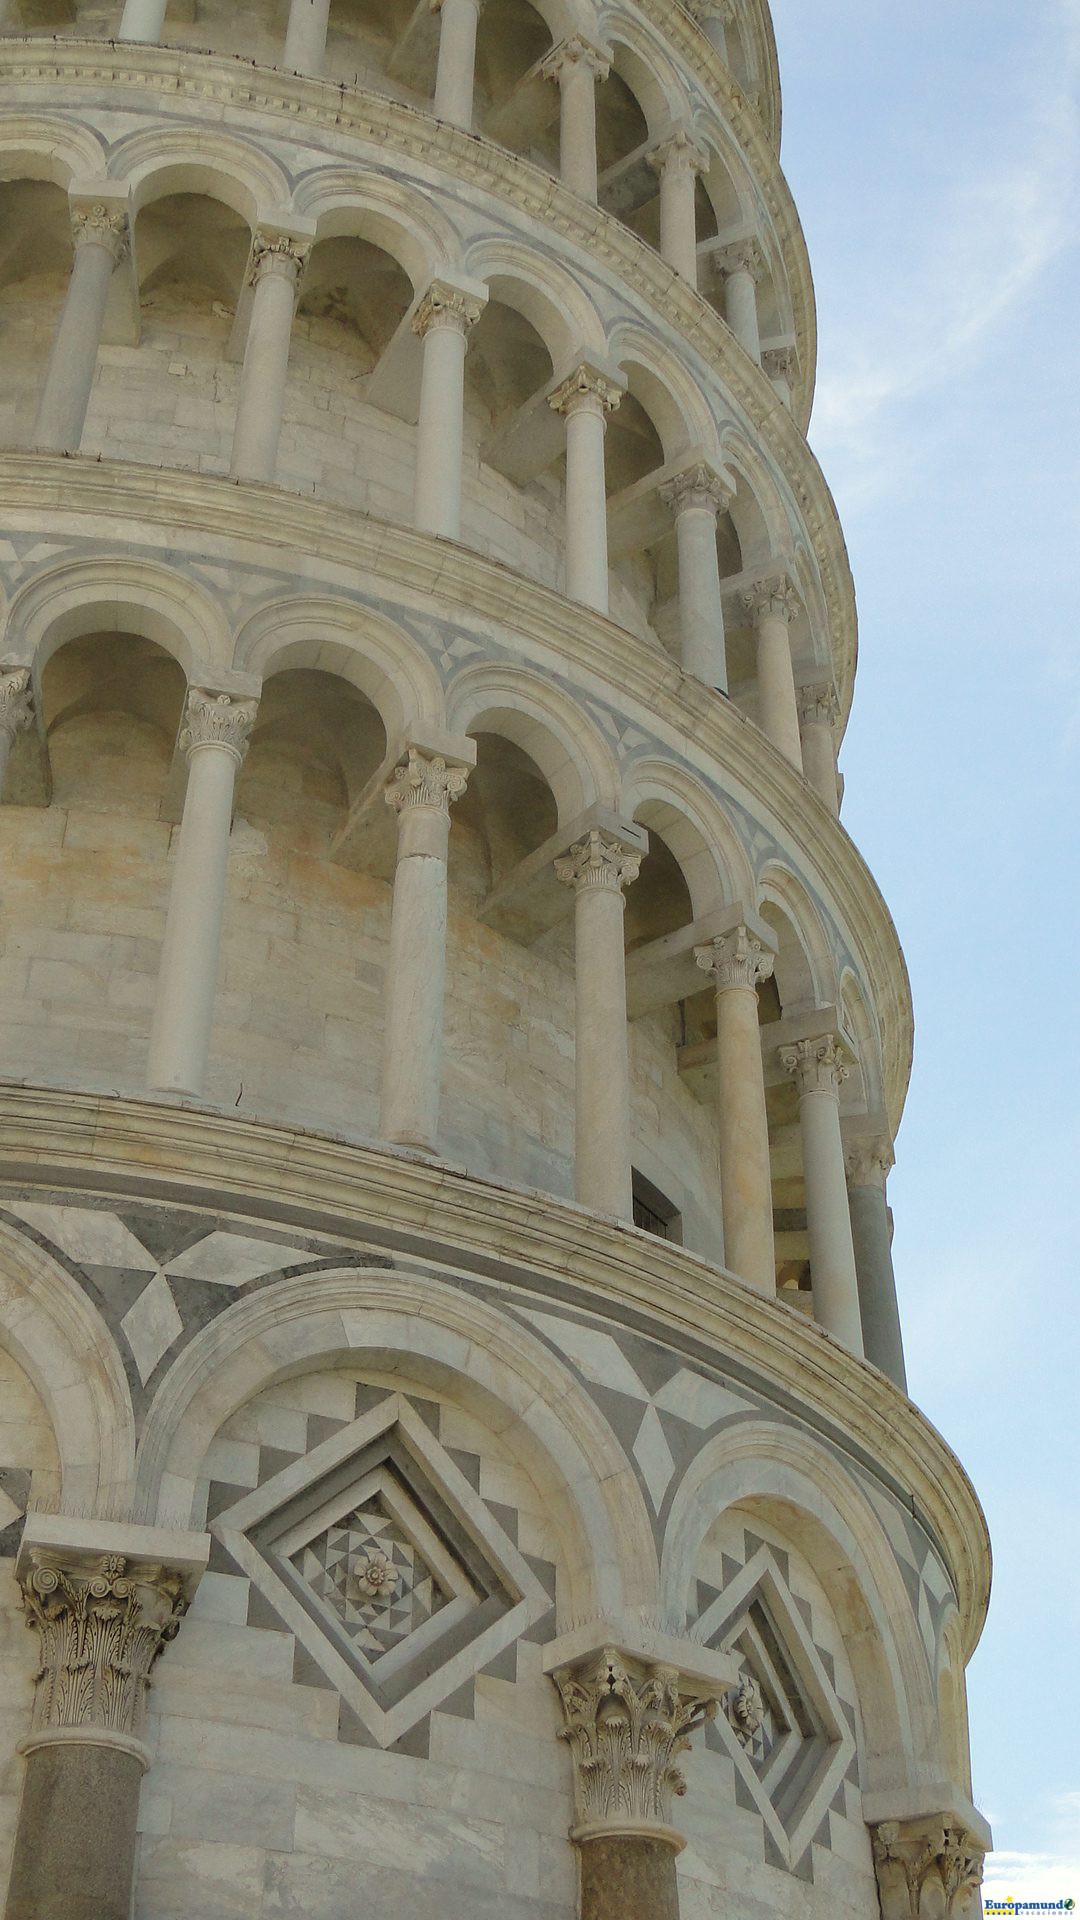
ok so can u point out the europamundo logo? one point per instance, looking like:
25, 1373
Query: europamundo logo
1011, 1906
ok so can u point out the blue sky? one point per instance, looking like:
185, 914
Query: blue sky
934, 153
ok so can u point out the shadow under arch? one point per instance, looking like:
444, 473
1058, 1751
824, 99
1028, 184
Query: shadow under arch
396, 1321
350, 202
813, 983
37, 147
543, 292
112, 593
336, 636
545, 723
165, 161
699, 833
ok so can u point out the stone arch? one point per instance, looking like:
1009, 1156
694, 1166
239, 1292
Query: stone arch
697, 831
644, 65
861, 1023
546, 724
419, 1323
805, 964
346, 202
757, 510
41, 147
543, 292
218, 165
51, 1329
670, 396
129, 596
336, 636
792, 1479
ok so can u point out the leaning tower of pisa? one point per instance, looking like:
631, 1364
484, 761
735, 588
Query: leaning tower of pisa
455, 1457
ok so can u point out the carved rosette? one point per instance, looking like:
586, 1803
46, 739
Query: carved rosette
16, 701
817, 1066
101, 1626
772, 599
101, 226
745, 1708
574, 53
742, 256
927, 1869
278, 254
425, 781
598, 862
679, 153
217, 720
818, 704
446, 306
698, 487
625, 1729
736, 959
586, 387
869, 1162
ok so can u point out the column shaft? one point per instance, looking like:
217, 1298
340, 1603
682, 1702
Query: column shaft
737, 961
457, 61
577, 125
305, 36
628, 1877
818, 708
585, 399
598, 868
696, 498
276, 273
74, 1856
678, 162
61, 414
818, 1071
743, 265
773, 605
443, 320
142, 20
878, 1307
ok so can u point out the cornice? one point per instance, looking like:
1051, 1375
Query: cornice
682, 32
57, 491
53, 1135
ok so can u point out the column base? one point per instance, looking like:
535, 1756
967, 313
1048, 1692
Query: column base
75, 1843
628, 1876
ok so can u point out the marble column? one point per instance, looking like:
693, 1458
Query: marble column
420, 793
742, 266
714, 17
626, 1722
142, 20
585, 400
738, 961
819, 1068
16, 712
678, 161
598, 868
443, 321
819, 711
305, 36
214, 739
276, 266
100, 236
101, 1621
928, 1868
697, 498
868, 1162
455, 72
781, 364
577, 66
772, 605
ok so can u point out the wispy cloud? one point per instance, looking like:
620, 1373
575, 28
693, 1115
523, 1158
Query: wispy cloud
1053, 1875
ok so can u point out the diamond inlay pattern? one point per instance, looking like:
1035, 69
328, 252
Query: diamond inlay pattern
374, 1578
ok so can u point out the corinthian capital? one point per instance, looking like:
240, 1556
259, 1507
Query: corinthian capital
774, 598
699, 486
722, 10
736, 959
216, 720
742, 256
101, 1624
781, 363
869, 1161
926, 1867
425, 780
679, 153
16, 700
576, 52
818, 704
278, 253
597, 861
100, 226
446, 306
817, 1066
586, 387
626, 1724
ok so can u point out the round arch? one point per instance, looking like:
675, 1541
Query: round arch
218, 165
808, 961
543, 292
346, 202
757, 511
335, 636
122, 595
696, 831
545, 723
39, 147
861, 1023
670, 396
391, 1321
642, 62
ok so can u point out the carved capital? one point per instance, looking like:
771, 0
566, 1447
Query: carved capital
101, 1626
774, 598
926, 1868
818, 704
626, 1724
278, 254
16, 701
817, 1066
425, 780
101, 226
446, 306
869, 1162
573, 53
587, 388
217, 720
742, 256
781, 363
597, 861
679, 153
736, 959
699, 486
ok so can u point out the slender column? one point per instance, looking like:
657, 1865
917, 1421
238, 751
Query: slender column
100, 238
305, 36
455, 72
420, 793
819, 1070
443, 321
598, 868
101, 1623
697, 498
819, 710
742, 265
626, 1722
577, 66
737, 962
16, 712
782, 366
142, 20
214, 738
928, 1868
276, 267
678, 161
773, 605
868, 1163
714, 17
585, 400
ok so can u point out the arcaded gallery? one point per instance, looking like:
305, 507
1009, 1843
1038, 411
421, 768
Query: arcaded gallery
455, 1454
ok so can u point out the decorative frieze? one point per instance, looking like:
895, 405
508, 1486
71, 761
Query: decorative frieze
16, 701
446, 306
598, 861
817, 1066
101, 1626
425, 780
736, 959
626, 1724
586, 386
774, 598
100, 226
927, 1869
217, 720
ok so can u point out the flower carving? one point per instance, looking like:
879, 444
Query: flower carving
376, 1577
